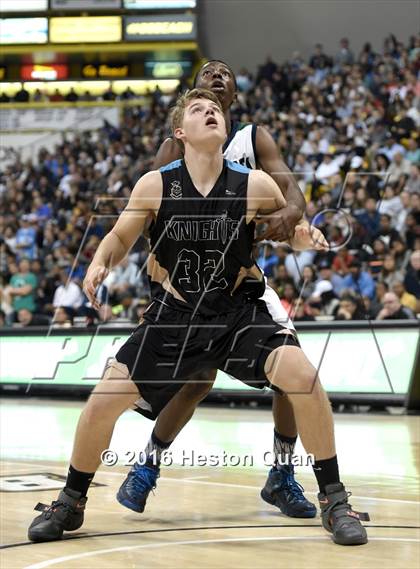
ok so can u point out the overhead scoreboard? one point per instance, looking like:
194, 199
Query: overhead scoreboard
107, 39
24, 6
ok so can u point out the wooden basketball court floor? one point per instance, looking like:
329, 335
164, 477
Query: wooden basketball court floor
207, 516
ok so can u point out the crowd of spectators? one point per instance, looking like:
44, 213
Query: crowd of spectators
23, 95
346, 125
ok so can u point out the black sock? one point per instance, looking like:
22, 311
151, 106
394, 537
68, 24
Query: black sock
154, 450
79, 481
283, 449
326, 472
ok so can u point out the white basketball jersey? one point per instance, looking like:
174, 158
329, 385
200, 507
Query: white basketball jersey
240, 145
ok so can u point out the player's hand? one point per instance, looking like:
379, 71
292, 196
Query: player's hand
94, 277
279, 225
308, 237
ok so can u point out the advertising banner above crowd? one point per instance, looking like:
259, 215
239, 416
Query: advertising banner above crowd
23, 31
160, 28
44, 72
57, 118
23, 6
85, 29
85, 4
159, 4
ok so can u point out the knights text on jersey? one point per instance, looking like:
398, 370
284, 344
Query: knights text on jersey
201, 247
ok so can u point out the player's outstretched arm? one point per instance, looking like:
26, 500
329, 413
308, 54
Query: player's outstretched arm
144, 200
271, 162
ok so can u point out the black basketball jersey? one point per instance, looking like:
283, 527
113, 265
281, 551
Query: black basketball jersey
201, 247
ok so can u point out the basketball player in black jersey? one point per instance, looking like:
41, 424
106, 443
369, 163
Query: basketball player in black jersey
201, 316
253, 146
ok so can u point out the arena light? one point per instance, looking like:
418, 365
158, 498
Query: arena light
94, 87
23, 31
145, 86
85, 29
10, 88
167, 69
85, 4
23, 6
159, 4
44, 72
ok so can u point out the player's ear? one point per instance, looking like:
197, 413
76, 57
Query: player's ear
179, 134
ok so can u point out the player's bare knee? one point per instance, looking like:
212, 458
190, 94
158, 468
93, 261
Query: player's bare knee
302, 381
114, 393
101, 406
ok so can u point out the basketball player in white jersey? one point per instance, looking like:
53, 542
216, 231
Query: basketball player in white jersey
252, 146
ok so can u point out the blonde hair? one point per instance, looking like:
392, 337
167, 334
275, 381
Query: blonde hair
177, 112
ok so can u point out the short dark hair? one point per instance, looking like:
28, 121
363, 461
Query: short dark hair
348, 297
215, 61
386, 215
355, 263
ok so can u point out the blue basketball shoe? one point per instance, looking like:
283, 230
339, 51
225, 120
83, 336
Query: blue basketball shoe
282, 490
136, 487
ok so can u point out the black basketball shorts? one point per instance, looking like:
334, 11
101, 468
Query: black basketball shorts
170, 346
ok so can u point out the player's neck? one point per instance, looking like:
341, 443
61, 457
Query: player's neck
228, 120
204, 167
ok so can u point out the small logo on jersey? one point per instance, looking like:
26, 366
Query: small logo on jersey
245, 161
176, 190
229, 193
